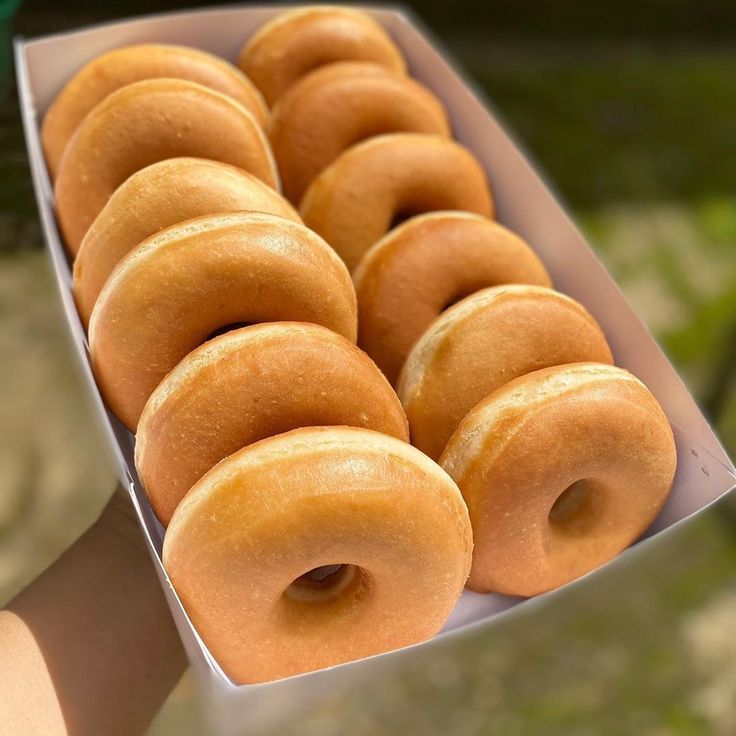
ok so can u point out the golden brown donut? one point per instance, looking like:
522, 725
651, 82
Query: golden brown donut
273, 378
359, 197
426, 264
156, 197
298, 41
180, 286
116, 68
316, 547
146, 122
483, 342
561, 469
339, 105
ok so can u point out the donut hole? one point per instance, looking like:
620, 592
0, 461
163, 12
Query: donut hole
462, 294
577, 509
325, 583
453, 301
402, 215
470, 285
226, 328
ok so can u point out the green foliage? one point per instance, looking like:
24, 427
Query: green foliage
618, 123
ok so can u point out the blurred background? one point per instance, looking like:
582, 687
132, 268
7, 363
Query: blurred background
629, 107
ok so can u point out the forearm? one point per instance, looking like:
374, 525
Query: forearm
90, 647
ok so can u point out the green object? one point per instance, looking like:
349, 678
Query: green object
8, 8
7, 11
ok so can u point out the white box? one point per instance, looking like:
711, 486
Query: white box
524, 204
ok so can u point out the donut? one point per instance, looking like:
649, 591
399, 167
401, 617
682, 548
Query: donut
297, 42
363, 193
562, 469
276, 377
316, 547
146, 122
339, 105
426, 264
116, 68
156, 197
180, 286
483, 342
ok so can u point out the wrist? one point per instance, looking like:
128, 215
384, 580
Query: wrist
118, 524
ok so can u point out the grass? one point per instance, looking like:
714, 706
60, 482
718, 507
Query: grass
617, 122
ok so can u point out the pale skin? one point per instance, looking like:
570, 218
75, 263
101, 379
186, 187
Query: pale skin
90, 647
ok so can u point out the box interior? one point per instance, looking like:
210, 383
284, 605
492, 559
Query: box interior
524, 203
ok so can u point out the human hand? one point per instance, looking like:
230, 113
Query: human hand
90, 647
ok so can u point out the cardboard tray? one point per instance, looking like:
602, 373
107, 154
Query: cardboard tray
524, 204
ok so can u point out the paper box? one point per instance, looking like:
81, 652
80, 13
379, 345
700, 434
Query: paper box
524, 203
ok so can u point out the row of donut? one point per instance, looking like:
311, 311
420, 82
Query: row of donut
152, 284
135, 105
562, 459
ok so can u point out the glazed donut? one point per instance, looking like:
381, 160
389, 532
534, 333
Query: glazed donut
276, 377
421, 267
156, 197
316, 547
187, 282
483, 342
339, 105
107, 73
297, 42
359, 197
147, 122
561, 469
